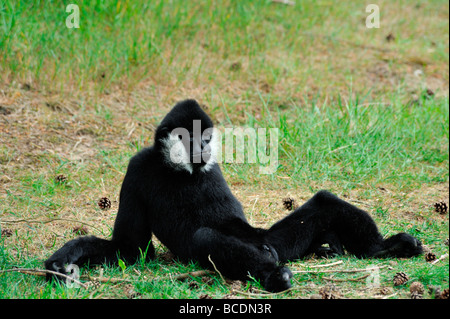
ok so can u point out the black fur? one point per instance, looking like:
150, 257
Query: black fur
197, 217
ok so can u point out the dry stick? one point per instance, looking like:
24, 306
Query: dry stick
341, 148
388, 296
106, 280
186, 275
350, 279
31, 221
359, 202
182, 276
42, 272
440, 258
362, 46
288, 2
326, 265
197, 273
338, 271
266, 294
209, 257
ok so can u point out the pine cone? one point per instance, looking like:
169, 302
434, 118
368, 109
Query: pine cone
104, 203
429, 92
209, 281
6, 232
193, 285
435, 291
385, 290
416, 287
80, 230
93, 284
289, 203
441, 208
60, 179
390, 37
328, 292
400, 278
429, 256
444, 294
416, 295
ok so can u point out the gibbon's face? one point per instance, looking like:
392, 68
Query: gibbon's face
187, 138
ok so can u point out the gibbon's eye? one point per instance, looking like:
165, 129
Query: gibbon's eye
205, 142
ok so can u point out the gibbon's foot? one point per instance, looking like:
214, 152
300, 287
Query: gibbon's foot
401, 245
70, 271
56, 267
326, 252
278, 280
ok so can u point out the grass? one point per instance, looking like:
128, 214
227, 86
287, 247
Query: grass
358, 114
356, 142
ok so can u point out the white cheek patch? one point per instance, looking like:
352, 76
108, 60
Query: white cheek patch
175, 153
215, 146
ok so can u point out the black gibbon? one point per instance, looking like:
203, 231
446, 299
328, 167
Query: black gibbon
176, 191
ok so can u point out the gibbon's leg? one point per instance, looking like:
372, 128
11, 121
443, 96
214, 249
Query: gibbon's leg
131, 239
236, 259
353, 228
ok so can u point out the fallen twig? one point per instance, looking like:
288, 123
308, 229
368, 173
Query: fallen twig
341, 148
325, 265
439, 259
106, 279
359, 202
177, 277
197, 273
389, 296
263, 294
349, 279
35, 221
288, 2
337, 270
41, 273
209, 257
